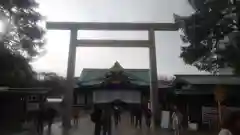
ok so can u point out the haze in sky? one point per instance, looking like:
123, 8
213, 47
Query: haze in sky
167, 43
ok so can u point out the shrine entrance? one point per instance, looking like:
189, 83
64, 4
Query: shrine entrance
74, 42
120, 103
127, 96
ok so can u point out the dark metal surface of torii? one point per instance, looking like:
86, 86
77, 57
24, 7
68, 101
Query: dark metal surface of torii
74, 42
112, 26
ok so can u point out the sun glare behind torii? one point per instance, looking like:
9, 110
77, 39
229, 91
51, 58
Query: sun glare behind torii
1, 26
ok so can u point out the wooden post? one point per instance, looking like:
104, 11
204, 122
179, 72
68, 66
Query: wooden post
220, 95
68, 95
153, 78
219, 113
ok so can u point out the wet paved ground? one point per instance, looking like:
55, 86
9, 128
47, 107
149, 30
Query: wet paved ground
86, 127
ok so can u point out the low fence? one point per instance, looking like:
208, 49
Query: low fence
210, 114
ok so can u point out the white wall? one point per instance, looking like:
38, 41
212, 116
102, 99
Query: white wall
128, 96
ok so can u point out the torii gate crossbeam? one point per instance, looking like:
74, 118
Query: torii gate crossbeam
74, 42
112, 26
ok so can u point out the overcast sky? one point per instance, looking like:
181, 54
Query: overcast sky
168, 43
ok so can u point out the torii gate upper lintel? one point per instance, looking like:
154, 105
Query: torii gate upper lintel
112, 26
74, 42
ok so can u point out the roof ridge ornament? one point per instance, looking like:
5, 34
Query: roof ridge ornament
116, 67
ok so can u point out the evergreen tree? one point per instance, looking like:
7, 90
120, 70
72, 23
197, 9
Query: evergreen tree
212, 35
21, 41
22, 33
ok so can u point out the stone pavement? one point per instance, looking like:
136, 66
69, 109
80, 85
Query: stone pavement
86, 127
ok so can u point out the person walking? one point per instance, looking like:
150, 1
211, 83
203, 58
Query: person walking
117, 116
148, 115
40, 117
107, 121
76, 113
138, 122
50, 115
132, 116
96, 119
176, 121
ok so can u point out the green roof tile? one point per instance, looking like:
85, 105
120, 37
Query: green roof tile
95, 76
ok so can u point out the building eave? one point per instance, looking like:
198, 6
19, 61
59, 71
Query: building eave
209, 79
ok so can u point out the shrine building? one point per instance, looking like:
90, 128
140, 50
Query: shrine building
97, 86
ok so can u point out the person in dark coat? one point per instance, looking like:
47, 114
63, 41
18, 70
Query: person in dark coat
117, 117
50, 114
132, 116
148, 115
40, 121
138, 122
96, 118
107, 121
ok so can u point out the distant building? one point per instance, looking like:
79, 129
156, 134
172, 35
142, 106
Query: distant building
18, 105
194, 95
96, 86
226, 71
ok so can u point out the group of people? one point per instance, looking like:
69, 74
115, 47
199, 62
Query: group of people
42, 116
102, 118
136, 115
229, 126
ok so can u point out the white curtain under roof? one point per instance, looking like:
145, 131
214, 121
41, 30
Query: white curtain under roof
107, 96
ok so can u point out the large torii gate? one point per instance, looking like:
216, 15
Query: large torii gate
74, 43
